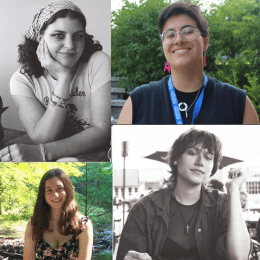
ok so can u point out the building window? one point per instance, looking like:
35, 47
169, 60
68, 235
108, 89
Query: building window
122, 191
253, 187
130, 191
116, 190
136, 189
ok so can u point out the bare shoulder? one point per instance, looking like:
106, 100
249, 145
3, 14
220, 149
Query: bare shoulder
125, 117
250, 114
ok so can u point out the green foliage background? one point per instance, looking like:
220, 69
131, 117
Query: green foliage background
233, 53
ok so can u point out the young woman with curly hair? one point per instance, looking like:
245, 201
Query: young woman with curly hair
57, 230
187, 220
62, 91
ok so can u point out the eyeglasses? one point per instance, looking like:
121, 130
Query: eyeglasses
188, 34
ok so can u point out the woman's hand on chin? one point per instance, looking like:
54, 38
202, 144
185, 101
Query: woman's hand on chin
55, 68
236, 177
21, 153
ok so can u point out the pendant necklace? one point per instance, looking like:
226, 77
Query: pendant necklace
187, 225
184, 107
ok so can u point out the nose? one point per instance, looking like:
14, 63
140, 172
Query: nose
199, 159
69, 42
56, 194
178, 38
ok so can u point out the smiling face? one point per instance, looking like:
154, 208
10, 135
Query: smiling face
55, 194
195, 165
65, 40
182, 53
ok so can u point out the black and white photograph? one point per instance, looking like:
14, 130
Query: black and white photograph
56, 80
184, 192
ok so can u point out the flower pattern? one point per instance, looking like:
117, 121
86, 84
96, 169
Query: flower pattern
68, 251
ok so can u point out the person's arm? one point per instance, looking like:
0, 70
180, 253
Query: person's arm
125, 117
29, 252
86, 242
98, 134
238, 240
250, 115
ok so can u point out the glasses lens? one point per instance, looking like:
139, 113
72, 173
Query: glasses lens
169, 36
188, 34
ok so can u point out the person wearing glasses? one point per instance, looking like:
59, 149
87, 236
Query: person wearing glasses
187, 219
188, 95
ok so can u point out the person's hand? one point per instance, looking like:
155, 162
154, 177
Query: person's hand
55, 68
236, 177
132, 255
21, 153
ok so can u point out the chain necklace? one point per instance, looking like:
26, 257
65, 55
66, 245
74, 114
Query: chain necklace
184, 107
187, 225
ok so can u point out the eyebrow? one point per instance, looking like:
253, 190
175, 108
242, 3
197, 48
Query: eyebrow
197, 149
56, 187
183, 27
59, 31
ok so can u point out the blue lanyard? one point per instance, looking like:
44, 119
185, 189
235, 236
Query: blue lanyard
175, 105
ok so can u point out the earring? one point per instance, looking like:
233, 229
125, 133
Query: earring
167, 67
175, 163
204, 60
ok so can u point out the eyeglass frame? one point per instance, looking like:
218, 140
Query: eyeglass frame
161, 35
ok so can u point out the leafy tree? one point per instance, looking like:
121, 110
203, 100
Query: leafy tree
136, 48
99, 193
233, 54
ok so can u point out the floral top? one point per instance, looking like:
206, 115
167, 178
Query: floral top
67, 251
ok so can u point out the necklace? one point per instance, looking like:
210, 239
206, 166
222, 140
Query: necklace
187, 225
184, 107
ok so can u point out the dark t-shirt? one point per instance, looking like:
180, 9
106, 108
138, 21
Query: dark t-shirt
222, 104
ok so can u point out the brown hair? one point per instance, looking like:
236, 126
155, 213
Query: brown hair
190, 139
69, 221
190, 9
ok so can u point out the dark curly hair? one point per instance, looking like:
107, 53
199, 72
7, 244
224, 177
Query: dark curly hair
69, 221
190, 139
27, 51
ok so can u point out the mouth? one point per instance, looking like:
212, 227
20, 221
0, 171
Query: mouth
57, 201
70, 54
197, 171
181, 51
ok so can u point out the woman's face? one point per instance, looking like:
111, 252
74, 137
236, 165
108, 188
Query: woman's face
195, 165
182, 53
55, 194
65, 40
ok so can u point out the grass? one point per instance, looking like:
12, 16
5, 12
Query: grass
11, 228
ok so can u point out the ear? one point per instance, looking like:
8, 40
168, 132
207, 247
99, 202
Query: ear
206, 43
39, 38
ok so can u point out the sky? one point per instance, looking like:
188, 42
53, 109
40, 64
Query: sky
117, 4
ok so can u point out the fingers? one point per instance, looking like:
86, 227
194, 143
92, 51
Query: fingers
131, 255
6, 154
234, 173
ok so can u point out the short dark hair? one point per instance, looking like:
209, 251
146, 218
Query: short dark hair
190, 9
190, 139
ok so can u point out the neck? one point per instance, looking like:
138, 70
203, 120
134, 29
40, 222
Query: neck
55, 214
186, 194
187, 79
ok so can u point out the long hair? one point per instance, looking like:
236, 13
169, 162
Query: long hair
69, 222
27, 50
190, 139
